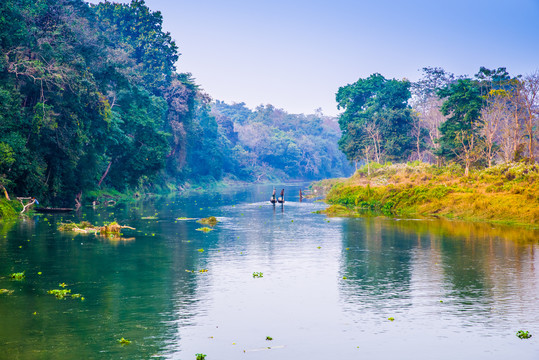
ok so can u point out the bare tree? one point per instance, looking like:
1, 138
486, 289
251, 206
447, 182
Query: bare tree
492, 116
374, 134
470, 151
427, 104
530, 103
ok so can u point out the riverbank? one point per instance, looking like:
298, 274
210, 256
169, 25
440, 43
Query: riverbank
9, 209
507, 193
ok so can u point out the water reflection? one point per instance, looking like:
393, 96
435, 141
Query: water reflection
456, 290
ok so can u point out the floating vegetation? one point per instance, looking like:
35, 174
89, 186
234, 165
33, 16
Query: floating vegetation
344, 278
200, 250
212, 221
60, 293
6, 291
149, 218
391, 318
204, 229
83, 227
269, 338
523, 334
200, 356
184, 218
197, 271
17, 276
258, 274
319, 247
111, 230
123, 341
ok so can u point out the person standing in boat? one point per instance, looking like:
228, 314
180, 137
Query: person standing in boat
281, 199
273, 200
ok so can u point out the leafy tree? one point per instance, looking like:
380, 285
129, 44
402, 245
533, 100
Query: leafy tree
376, 116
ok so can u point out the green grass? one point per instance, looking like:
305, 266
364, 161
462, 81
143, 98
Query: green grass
507, 193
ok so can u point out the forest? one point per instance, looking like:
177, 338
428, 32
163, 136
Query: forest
477, 122
90, 99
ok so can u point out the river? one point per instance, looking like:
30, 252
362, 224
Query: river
328, 287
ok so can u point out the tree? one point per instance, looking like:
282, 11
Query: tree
530, 105
376, 113
427, 104
493, 115
460, 132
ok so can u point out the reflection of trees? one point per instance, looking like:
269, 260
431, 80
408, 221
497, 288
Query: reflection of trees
129, 288
378, 264
482, 270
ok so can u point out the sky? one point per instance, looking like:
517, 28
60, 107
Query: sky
295, 54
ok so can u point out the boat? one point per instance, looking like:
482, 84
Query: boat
53, 210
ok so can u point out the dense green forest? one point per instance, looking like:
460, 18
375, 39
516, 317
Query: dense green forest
90, 98
476, 121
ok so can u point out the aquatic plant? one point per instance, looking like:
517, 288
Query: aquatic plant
59, 293
212, 221
17, 276
258, 275
123, 341
391, 318
200, 356
204, 229
62, 285
269, 338
6, 291
200, 250
523, 334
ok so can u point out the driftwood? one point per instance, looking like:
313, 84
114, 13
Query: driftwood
24, 207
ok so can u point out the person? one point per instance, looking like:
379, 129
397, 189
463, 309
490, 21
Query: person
300, 195
273, 201
281, 199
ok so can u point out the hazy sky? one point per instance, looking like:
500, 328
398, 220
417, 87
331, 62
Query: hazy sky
295, 54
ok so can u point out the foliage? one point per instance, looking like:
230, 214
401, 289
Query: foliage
269, 338
8, 208
200, 356
504, 193
523, 334
212, 221
123, 341
269, 143
377, 120
258, 274
60, 294
17, 276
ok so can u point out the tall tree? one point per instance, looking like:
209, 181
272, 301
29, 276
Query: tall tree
427, 104
376, 114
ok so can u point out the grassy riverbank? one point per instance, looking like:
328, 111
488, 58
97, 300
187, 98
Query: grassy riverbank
507, 193
9, 209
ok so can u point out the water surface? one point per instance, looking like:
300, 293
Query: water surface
329, 285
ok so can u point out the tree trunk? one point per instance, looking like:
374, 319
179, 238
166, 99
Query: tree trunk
5, 192
104, 175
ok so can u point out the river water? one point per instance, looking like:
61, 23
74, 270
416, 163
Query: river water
328, 287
